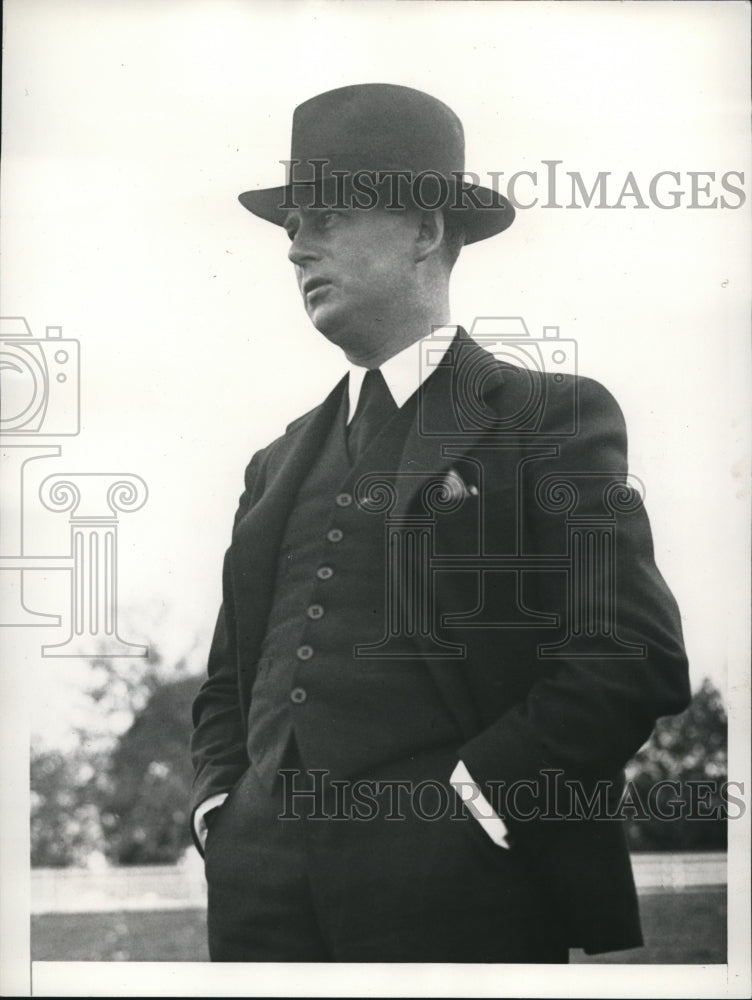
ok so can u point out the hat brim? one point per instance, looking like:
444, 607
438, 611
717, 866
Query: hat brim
480, 211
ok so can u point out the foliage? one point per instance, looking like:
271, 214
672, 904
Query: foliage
65, 816
121, 690
686, 748
150, 772
121, 791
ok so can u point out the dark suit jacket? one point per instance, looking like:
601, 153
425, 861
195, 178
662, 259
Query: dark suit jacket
527, 707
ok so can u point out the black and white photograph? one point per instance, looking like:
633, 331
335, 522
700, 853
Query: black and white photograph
375, 546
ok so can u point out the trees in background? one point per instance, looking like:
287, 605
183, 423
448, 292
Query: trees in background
691, 749
123, 792
66, 817
150, 780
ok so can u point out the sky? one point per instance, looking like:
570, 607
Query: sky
129, 128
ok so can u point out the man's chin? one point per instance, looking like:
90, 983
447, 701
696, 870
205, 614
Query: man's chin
329, 325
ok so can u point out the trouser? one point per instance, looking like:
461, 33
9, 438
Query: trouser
414, 878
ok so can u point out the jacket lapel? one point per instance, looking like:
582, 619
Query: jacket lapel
258, 534
434, 436
446, 404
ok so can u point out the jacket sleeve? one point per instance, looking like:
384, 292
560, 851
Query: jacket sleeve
218, 743
587, 715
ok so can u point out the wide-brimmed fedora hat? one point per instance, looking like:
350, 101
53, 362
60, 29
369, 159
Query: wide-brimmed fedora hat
381, 143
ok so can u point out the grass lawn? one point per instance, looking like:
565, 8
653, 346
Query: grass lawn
679, 927
686, 927
130, 935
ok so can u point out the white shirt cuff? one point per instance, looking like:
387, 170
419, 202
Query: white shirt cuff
478, 805
199, 817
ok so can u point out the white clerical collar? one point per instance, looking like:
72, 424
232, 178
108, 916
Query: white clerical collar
403, 373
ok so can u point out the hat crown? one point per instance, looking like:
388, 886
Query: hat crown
378, 126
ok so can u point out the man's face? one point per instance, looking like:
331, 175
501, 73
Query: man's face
355, 270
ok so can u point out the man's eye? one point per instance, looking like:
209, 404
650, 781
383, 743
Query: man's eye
317, 220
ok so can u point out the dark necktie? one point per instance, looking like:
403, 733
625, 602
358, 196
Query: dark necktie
375, 406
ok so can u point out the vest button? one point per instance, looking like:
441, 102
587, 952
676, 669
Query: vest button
334, 535
305, 652
298, 696
343, 500
325, 572
315, 612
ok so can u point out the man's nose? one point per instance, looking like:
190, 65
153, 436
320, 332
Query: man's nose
301, 248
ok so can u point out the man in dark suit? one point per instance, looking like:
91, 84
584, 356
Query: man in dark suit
443, 632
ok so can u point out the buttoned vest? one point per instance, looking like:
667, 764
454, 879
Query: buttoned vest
348, 709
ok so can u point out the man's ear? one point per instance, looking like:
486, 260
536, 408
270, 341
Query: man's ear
430, 233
